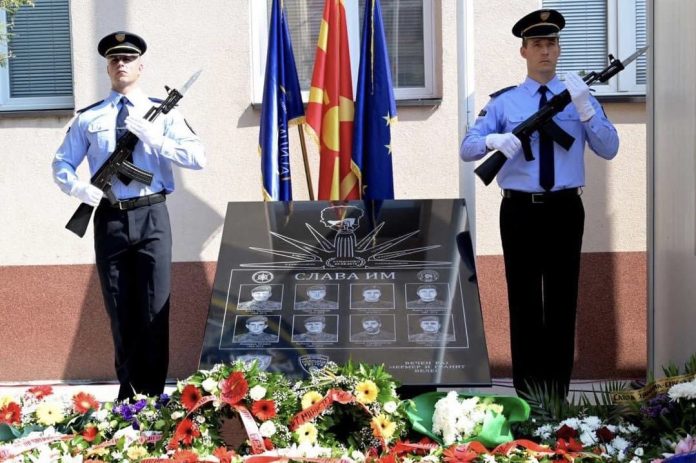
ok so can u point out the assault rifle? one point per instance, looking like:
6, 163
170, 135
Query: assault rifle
542, 120
118, 163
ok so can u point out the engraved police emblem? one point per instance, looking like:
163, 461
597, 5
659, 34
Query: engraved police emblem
262, 360
545, 15
428, 276
313, 362
120, 37
262, 277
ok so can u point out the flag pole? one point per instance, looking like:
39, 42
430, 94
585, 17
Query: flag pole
308, 174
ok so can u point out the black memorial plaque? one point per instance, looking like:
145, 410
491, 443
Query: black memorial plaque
394, 282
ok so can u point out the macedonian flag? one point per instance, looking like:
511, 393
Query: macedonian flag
330, 109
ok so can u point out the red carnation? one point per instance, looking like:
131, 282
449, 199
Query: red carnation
190, 396
186, 431
566, 432
90, 433
234, 388
224, 455
83, 402
185, 456
11, 413
268, 443
263, 409
40, 391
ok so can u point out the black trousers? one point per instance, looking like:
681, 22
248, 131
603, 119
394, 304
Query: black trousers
134, 254
541, 248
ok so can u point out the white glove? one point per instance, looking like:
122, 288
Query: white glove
146, 131
506, 143
580, 94
86, 193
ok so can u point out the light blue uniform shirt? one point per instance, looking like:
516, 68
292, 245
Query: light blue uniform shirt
93, 134
506, 111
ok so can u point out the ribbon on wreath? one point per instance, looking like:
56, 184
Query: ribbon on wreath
21, 446
333, 395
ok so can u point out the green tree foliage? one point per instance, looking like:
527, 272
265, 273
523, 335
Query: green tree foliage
9, 7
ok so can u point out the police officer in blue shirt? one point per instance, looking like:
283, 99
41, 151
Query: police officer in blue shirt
132, 238
541, 215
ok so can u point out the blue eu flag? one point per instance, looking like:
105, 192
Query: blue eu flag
375, 109
282, 105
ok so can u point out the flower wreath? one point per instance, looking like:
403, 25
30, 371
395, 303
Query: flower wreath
352, 407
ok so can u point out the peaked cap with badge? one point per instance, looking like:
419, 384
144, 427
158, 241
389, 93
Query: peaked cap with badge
539, 23
121, 43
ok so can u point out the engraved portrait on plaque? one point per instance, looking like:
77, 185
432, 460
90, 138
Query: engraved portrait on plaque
428, 296
428, 329
261, 298
316, 297
372, 296
254, 330
372, 328
315, 328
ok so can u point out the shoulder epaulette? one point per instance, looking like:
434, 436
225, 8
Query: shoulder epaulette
79, 111
502, 90
155, 100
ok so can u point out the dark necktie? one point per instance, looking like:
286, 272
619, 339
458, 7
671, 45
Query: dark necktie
546, 168
121, 131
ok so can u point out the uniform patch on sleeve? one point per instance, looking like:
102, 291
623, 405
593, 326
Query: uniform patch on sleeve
482, 113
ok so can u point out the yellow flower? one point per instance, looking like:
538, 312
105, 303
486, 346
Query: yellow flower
310, 398
366, 392
307, 434
49, 413
5, 399
136, 452
382, 427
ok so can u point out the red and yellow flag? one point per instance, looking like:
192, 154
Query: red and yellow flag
330, 110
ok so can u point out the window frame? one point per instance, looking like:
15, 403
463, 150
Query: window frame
621, 43
9, 104
259, 42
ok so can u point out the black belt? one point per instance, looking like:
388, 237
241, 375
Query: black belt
127, 204
541, 198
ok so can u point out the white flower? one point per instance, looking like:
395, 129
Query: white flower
619, 443
593, 422
257, 392
101, 414
129, 433
488, 458
177, 415
639, 451
390, 407
117, 456
267, 429
200, 419
587, 438
683, 391
209, 385
357, 455
544, 431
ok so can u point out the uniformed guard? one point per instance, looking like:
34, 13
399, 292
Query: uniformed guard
542, 215
256, 333
261, 299
427, 298
132, 237
315, 299
315, 327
